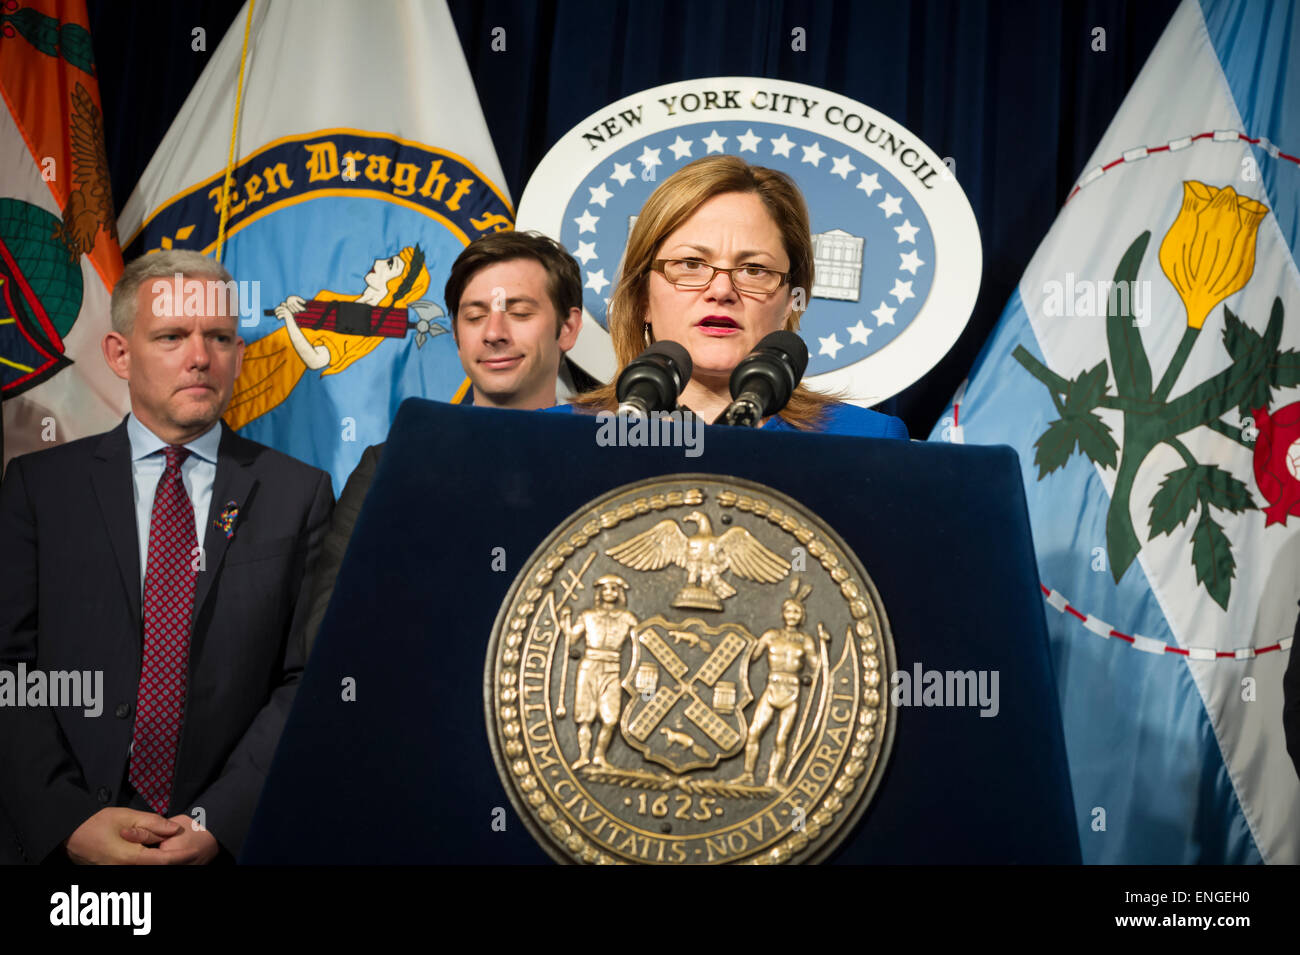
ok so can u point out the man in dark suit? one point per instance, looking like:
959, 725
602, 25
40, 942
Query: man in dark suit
171, 556
515, 300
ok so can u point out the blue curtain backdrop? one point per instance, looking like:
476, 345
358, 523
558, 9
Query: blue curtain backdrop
1013, 91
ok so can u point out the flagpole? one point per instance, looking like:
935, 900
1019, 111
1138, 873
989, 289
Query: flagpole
234, 131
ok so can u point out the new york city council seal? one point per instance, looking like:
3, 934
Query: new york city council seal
691, 669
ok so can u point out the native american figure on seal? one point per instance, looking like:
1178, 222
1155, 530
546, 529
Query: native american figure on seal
603, 629
788, 650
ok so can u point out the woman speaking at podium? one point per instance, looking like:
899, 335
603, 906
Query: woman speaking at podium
720, 256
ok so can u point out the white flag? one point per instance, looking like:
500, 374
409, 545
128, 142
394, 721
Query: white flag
362, 167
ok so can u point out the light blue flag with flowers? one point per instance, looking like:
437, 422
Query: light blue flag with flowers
1147, 370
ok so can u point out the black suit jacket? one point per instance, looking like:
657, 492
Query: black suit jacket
336, 541
70, 600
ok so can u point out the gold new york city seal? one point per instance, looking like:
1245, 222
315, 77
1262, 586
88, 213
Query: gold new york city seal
691, 670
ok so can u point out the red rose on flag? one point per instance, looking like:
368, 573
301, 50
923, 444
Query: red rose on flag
1277, 461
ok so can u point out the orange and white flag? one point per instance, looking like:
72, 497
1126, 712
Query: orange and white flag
59, 254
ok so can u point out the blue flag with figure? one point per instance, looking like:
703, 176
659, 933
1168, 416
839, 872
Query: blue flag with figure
361, 167
1147, 370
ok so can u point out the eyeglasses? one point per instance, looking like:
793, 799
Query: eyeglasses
692, 273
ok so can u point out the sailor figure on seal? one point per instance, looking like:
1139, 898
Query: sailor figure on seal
604, 628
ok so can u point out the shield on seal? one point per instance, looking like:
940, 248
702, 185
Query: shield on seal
689, 684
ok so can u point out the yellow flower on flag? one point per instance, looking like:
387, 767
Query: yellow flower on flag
1209, 251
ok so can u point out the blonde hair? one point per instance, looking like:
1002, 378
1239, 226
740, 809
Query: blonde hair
673, 203
409, 284
163, 265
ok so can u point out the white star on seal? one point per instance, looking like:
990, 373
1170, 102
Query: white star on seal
892, 205
782, 146
649, 158
600, 195
681, 148
858, 333
830, 345
902, 291
596, 280
911, 261
884, 315
622, 173
842, 167
713, 141
868, 184
586, 222
748, 141
812, 154
907, 232
586, 252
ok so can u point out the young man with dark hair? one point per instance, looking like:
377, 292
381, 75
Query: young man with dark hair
515, 300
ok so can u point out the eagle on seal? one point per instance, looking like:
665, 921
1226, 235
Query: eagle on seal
704, 556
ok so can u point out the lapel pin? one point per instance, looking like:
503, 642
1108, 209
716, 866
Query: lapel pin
226, 522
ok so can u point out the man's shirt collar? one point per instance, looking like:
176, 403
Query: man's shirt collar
144, 442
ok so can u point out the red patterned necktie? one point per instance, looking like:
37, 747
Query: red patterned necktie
168, 606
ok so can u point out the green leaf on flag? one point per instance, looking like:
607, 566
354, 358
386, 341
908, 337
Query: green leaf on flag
1216, 486
1212, 558
1246, 384
1258, 395
1085, 431
1183, 488
1087, 390
1284, 369
52, 38
38, 29
74, 43
1239, 338
1259, 353
1273, 333
1095, 439
1175, 501
1054, 448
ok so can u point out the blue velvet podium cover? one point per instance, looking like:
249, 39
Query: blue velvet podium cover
403, 774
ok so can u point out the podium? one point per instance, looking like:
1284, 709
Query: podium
385, 758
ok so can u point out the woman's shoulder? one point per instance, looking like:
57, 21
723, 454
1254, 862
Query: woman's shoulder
843, 418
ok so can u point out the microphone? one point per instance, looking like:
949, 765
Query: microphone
765, 379
653, 380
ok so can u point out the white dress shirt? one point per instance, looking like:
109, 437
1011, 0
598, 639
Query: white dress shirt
147, 464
